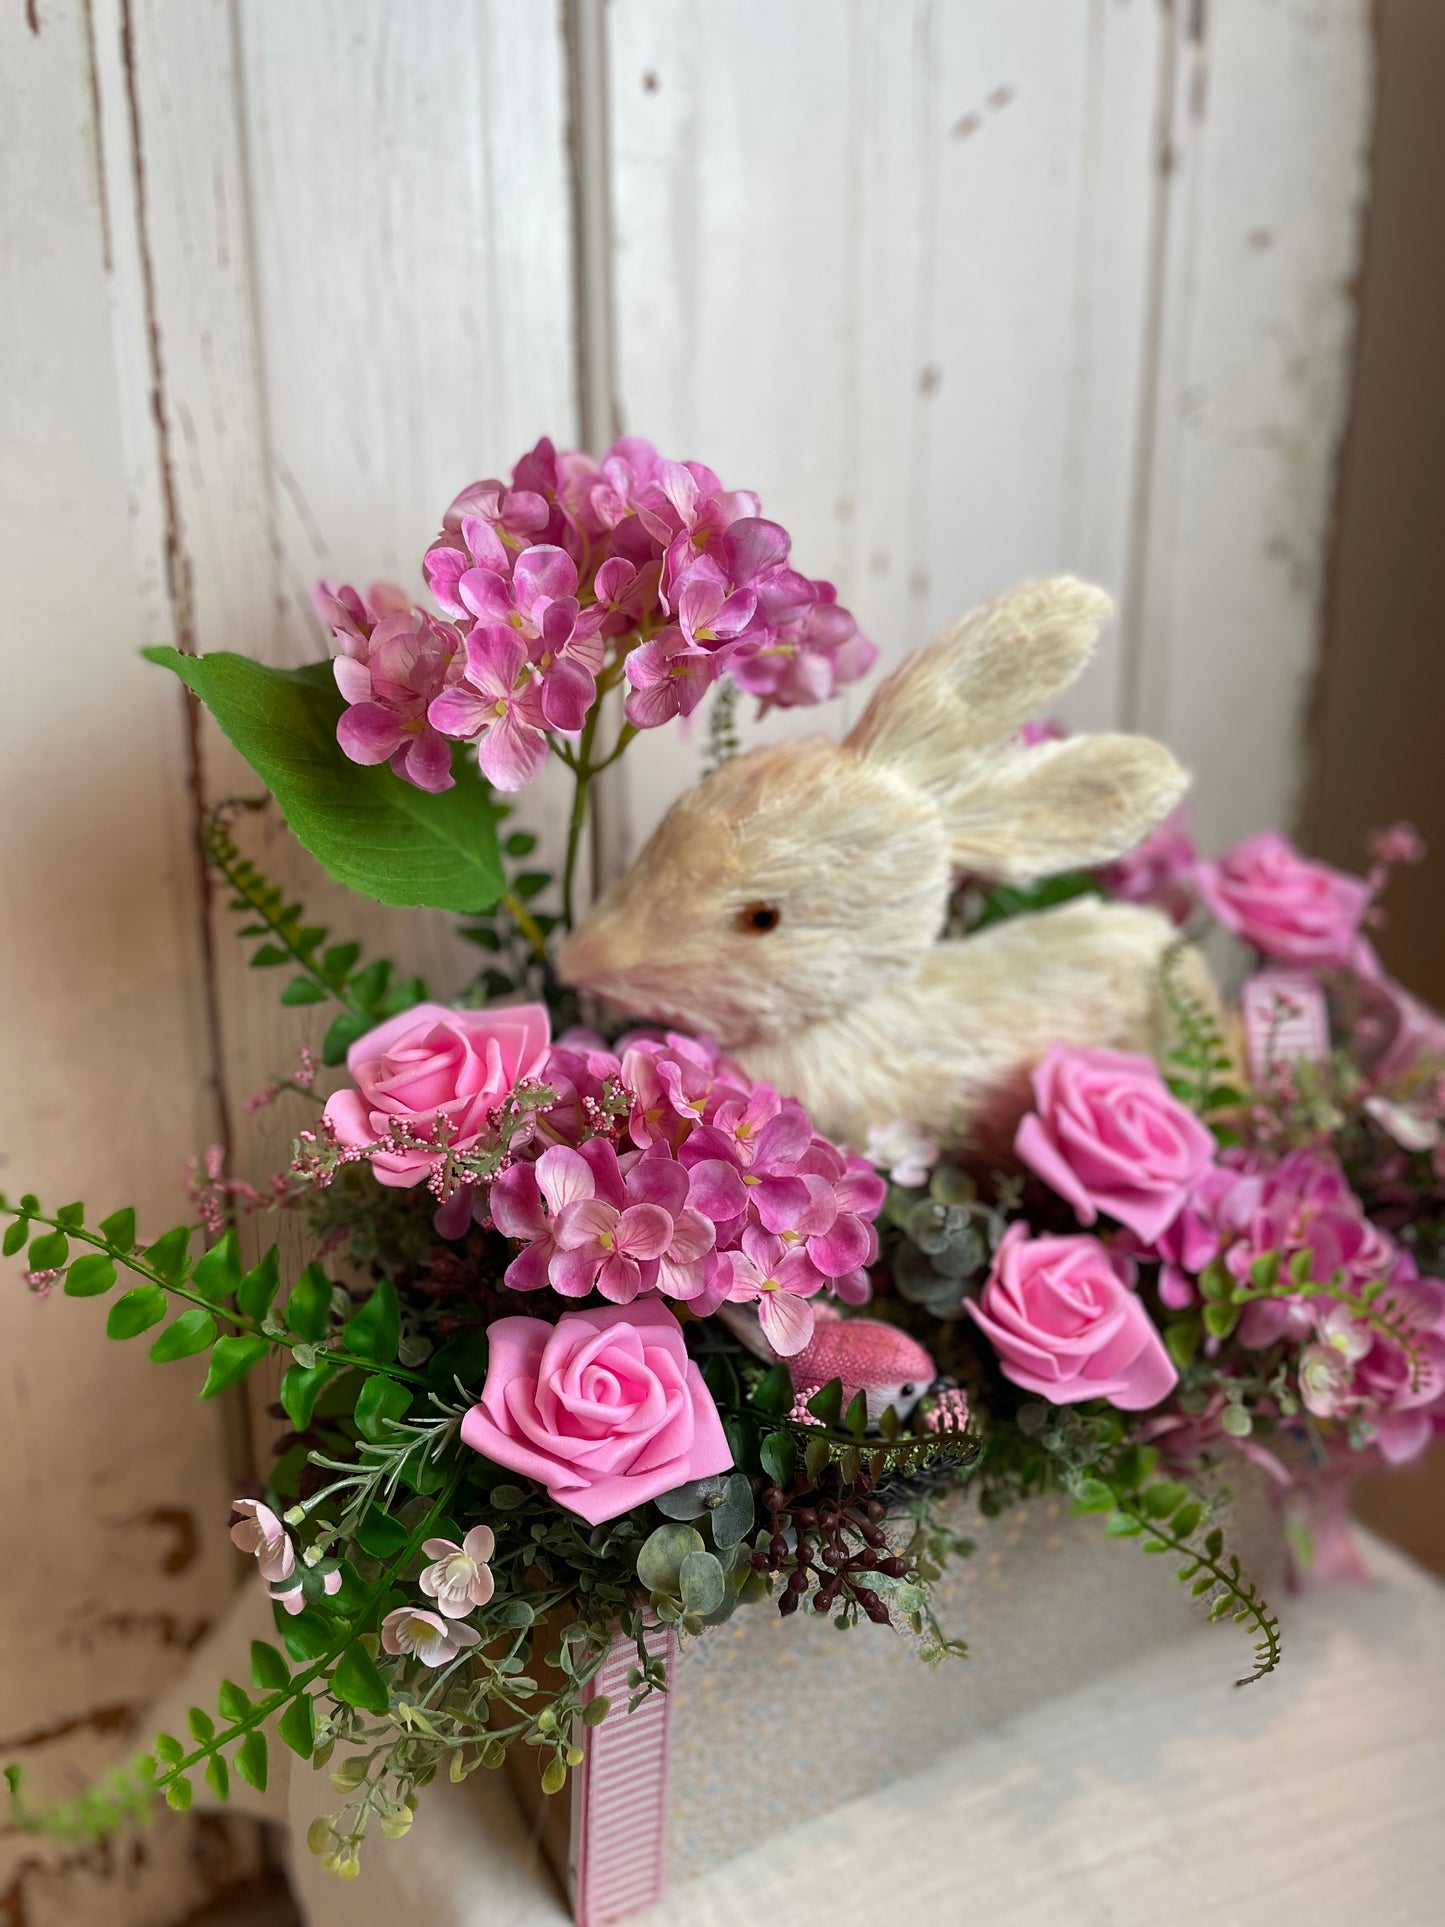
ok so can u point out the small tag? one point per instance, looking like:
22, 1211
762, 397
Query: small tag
1285, 1018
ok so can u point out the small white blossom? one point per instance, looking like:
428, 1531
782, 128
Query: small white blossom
433, 1640
459, 1577
1412, 1130
260, 1532
902, 1150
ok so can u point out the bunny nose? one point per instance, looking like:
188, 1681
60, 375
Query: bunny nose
594, 954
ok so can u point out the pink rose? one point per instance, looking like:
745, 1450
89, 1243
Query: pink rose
1107, 1135
1066, 1323
430, 1062
1286, 906
604, 1408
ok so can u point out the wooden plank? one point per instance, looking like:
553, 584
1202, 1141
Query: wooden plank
894, 275
113, 1487
1267, 160
359, 226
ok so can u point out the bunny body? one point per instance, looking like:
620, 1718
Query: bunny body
790, 905
953, 1048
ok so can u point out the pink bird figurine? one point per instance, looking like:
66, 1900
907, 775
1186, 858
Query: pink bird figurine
878, 1360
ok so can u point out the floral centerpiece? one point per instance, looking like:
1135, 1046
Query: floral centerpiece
603, 1328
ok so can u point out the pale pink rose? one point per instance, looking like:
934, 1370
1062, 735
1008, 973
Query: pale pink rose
604, 1408
1107, 1135
1285, 905
428, 1062
1064, 1318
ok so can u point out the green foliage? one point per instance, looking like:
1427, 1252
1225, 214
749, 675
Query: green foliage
256, 1291
374, 833
366, 992
217, 1273
1006, 900
357, 1682
269, 1671
1224, 1298
380, 1403
231, 1359
723, 739
297, 1726
194, 1331
375, 1330
136, 1311
308, 1308
90, 1276
203, 1288
514, 935
1165, 1517
1198, 1057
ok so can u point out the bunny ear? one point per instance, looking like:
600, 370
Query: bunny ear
945, 722
978, 681
1020, 814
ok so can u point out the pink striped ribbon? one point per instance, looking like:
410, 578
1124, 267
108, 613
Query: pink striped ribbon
619, 1793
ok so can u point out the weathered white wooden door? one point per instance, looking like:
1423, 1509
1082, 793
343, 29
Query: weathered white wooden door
968, 289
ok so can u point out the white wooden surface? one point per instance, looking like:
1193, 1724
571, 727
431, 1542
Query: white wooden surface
1159, 1794
978, 289
113, 1485
967, 288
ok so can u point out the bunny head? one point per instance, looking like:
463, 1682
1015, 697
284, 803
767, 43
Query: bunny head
802, 880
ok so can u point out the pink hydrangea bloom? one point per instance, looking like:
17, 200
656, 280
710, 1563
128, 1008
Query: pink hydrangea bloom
497, 705
779, 1279
1303, 1204
618, 1226
428, 1063
604, 1408
1402, 1402
1288, 907
724, 1191
389, 680
1158, 870
1219, 1209
432, 1639
1108, 1136
351, 617
669, 676
651, 558
1067, 1323
806, 660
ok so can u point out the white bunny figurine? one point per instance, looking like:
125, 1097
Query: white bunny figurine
790, 905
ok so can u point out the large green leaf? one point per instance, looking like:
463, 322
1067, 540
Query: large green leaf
376, 834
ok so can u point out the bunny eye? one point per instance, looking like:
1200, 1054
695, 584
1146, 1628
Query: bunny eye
758, 918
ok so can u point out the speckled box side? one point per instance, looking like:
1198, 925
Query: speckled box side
1046, 1603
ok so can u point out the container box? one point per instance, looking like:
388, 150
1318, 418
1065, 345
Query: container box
1046, 1602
